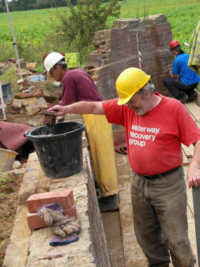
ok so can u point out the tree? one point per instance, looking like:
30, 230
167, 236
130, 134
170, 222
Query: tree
21, 4
84, 19
50, 3
2, 6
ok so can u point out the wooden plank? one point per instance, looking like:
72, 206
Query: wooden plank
196, 201
193, 208
112, 228
188, 150
133, 254
190, 218
185, 160
194, 111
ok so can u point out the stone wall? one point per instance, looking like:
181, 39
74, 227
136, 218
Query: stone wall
31, 248
99, 243
116, 49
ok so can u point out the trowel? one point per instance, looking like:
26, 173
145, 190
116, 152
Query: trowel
50, 118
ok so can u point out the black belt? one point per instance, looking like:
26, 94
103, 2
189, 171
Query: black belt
160, 175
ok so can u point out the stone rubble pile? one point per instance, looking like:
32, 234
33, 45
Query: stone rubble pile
34, 94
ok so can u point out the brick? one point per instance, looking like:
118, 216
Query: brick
35, 222
63, 197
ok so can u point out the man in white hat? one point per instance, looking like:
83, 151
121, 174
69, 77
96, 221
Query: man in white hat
77, 84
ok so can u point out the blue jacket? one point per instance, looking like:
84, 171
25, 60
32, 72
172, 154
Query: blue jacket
180, 67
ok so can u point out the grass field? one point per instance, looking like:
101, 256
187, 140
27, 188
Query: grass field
32, 27
32, 24
183, 15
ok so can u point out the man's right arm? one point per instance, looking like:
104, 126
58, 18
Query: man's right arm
175, 69
171, 74
82, 107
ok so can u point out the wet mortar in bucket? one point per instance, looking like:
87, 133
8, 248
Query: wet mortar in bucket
58, 147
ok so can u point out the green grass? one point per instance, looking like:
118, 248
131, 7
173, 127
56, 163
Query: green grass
5, 179
9, 76
33, 27
29, 24
183, 15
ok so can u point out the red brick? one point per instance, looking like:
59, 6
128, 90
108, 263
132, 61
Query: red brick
63, 197
35, 222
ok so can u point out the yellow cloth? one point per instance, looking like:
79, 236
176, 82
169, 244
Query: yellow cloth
194, 59
100, 137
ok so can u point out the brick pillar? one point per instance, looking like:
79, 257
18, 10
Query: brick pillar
116, 49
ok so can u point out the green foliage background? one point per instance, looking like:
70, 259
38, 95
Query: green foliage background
77, 29
36, 34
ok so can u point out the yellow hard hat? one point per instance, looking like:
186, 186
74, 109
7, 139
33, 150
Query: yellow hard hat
129, 82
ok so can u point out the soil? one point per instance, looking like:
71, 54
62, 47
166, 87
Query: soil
8, 196
8, 206
9, 189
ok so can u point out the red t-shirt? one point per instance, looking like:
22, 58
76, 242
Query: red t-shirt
154, 139
78, 86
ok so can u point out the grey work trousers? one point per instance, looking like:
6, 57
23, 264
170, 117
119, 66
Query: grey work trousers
160, 219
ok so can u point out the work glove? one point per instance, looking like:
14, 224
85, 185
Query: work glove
61, 225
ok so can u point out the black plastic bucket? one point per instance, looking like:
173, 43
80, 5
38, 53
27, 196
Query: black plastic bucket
59, 149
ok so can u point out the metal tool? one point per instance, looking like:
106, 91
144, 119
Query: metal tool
3, 105
138, 51
14, 41
186, 44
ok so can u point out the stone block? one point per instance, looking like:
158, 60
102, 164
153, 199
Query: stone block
36, 120
35, 222
30, 179
131, 23
36, 106
62, 197
17, 104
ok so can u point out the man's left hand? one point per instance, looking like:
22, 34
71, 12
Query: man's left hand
193, 175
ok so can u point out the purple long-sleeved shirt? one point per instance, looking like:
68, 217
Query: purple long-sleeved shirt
78, 86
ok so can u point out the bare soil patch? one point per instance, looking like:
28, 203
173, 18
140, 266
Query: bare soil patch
8, 204
9, 188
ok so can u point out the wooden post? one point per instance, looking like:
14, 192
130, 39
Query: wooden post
196, 204
14, 41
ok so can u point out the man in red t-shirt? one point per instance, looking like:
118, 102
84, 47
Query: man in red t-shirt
155, 128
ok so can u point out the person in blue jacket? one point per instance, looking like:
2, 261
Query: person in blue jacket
182, 80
